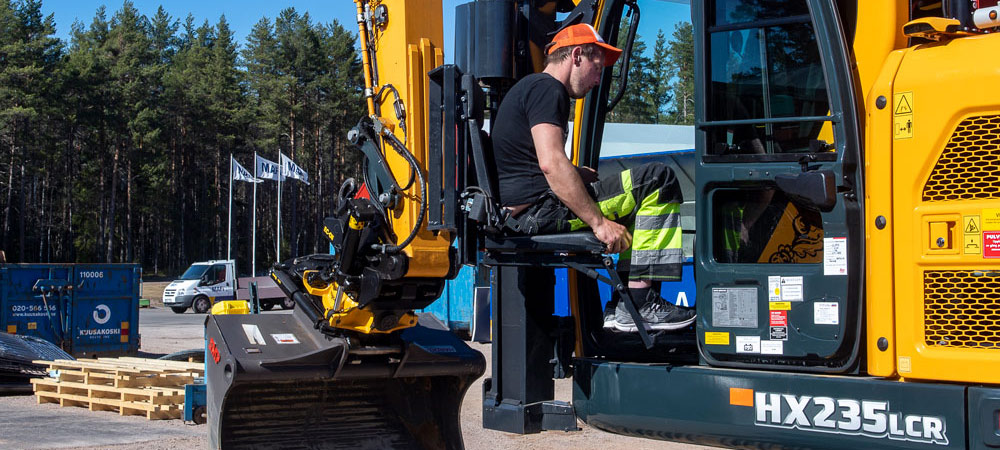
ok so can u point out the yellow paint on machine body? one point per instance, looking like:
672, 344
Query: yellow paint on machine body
407, 46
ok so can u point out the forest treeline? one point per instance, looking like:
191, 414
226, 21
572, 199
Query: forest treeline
660, 86
117, 143
114, 146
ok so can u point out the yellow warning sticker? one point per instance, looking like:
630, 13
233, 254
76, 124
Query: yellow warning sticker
12, 329
991, 219
32, 325
716, 338
781, 306
902, 103
902, 115
902, 127
970, 225
904, 364
973, 244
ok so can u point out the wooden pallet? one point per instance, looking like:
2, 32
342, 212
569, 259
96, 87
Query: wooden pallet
130, 386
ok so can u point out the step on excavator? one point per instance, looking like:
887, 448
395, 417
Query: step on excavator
847, 228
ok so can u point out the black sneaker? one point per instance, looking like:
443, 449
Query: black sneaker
609, 315
658, 314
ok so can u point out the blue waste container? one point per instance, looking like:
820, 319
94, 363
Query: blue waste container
87, 309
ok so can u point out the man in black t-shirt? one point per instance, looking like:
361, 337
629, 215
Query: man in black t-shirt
546, 193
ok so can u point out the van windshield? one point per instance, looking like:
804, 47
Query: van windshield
195, 272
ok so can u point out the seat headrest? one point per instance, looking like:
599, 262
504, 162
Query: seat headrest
475, 98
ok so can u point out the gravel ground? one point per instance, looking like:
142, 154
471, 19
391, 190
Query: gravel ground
25, 424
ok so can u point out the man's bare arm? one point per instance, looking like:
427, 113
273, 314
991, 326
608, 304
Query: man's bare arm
565, 182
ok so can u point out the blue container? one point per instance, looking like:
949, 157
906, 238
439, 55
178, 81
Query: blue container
87, 309
454, 307
677, 292
456, 304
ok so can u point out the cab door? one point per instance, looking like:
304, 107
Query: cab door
217, 283
779, 231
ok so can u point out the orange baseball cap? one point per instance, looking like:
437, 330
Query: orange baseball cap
581, 34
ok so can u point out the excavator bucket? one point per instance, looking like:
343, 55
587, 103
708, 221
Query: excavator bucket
274, 381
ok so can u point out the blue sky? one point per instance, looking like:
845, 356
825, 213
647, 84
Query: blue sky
241, 15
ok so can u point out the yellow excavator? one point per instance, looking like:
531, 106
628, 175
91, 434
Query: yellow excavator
847, 260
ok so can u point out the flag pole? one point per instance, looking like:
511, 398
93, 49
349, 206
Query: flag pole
229, 227
253, 225
281, 173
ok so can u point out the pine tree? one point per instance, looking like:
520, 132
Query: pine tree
661, 76
134, 124
156, 222
680, 61
638, 104
30, 55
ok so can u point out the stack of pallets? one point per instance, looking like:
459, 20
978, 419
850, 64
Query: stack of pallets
130, 386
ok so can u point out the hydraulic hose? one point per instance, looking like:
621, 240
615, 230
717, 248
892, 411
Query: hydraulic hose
367, 59
401, 149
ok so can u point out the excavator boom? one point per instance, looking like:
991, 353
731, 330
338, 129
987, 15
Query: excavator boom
353, 366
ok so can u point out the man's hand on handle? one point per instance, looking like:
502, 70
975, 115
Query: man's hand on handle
614, 235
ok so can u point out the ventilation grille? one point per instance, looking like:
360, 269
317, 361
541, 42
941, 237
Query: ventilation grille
969, 168
962, 308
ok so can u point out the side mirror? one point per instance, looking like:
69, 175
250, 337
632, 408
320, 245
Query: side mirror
815, 190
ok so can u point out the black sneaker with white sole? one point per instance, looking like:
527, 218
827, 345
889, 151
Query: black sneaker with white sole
609, 315
658, 314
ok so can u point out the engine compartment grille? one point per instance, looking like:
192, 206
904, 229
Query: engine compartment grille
962, 308
969, 167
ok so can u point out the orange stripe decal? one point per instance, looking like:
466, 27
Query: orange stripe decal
740, 397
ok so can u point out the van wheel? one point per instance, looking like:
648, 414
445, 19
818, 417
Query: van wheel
179, 309
287, 303
201, 304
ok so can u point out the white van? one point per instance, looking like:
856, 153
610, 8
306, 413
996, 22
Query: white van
205, 283
201, 285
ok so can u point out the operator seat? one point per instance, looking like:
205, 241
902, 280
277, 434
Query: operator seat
509, 238
504, 245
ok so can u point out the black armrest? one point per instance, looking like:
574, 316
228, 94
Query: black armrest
575, 242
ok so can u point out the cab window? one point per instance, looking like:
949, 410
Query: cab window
729, 12
217, 274
762, 226
768, 93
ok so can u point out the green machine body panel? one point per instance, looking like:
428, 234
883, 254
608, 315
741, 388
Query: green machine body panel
759, 409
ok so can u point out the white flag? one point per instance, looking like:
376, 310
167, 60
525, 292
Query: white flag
267, 169
291, 170
240, 173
